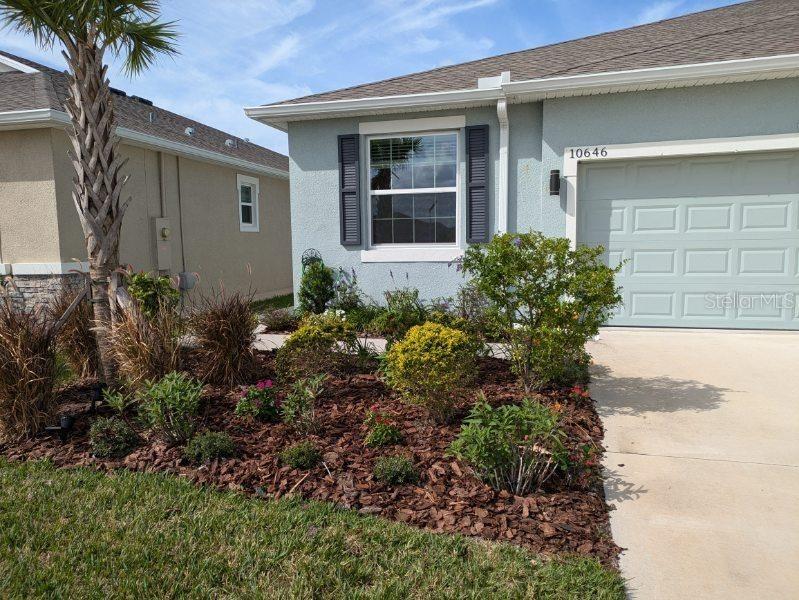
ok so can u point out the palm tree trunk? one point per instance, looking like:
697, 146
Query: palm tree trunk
98, 182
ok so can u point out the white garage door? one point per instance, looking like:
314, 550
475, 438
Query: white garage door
708, 241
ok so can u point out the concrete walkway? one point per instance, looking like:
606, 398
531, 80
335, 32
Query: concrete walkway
702, 432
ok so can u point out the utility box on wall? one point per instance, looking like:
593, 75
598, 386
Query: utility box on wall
163, 244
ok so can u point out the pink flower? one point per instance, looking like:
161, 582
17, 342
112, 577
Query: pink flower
264, 384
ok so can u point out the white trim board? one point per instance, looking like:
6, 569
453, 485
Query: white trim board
47, 117
18, 66
47, 268
412, 125
409, 255
699, 147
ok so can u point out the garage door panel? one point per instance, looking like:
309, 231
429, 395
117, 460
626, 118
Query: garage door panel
708, 242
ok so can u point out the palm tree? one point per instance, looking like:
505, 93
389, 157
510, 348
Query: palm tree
87, 29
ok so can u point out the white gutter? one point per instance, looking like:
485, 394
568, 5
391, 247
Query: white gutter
47, 117
502, 175
787, 65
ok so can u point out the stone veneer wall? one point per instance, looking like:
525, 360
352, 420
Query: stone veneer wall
37, 290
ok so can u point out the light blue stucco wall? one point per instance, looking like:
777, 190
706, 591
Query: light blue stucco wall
538, 134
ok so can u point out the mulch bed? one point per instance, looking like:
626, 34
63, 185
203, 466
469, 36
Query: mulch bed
571, 518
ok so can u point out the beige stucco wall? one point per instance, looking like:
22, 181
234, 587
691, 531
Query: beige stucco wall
28, 218
198, 198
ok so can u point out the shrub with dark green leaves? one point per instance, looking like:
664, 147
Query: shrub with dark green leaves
382, 432
170, 407
516, 447
403, 311
395, 470
302, 455
209, 446
430, 365
547, 300
111, 437
316, 288
152, 292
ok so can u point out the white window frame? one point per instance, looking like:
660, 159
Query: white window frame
255, 184
413, 252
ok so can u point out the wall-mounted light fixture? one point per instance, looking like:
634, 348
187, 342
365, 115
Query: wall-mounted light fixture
554, 182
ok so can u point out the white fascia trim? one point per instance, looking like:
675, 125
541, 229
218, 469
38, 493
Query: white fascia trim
278, 115
15, 64
48, 268
5, 268
279, 112
408, 255
412, 125
677, 73
677, 148
47, 117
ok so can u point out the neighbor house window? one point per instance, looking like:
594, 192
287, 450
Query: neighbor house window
413, 189
248, 202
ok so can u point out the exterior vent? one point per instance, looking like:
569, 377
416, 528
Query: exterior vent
231, 143
151, 117
118, 92
189, 131
142, 100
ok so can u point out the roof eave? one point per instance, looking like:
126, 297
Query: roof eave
749, 69
47, 117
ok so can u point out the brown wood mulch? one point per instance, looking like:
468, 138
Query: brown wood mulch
570, 518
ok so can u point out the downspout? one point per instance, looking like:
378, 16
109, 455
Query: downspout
502, 169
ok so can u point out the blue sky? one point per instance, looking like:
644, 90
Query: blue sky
237, 53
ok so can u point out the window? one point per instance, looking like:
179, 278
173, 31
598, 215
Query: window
413, 189
248, 202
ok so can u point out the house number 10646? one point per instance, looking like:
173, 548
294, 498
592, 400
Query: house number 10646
596, 151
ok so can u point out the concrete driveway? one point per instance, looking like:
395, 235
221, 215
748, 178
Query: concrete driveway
702, 432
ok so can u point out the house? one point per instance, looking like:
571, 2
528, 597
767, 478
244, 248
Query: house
204, 201
675, 145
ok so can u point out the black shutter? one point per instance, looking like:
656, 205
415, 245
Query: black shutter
477, 184
349, 197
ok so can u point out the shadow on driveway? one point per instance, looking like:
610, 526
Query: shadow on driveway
637, 395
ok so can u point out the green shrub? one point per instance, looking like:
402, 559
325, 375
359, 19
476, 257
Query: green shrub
223, 325
382, 432
316, 347
111, 437
302, 455
513, 447
280, 319
347, 295
152, 292
209, 446
259, 402
395, 470
299, 408
403, 310
547, 301
469, 311
316, 288
430, 365
170, 407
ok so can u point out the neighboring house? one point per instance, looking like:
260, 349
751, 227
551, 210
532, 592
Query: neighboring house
203, 201
674, 144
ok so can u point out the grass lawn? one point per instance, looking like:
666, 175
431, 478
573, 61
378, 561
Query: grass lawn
284, 301
80, 533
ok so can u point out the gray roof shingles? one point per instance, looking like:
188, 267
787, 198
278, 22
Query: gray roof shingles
48, 89
752, 29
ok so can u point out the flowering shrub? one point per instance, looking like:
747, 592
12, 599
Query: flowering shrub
547, 300
578, 394
403, 310
259, 402
299, 408
382, 432
513, 447
429, 365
